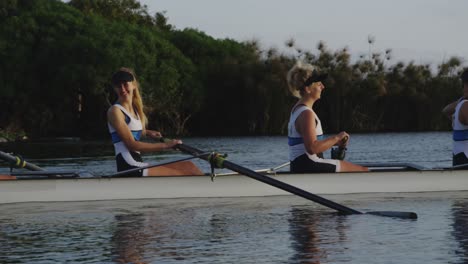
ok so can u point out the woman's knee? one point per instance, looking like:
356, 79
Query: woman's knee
348, 166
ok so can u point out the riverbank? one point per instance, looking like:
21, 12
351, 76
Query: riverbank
12, 136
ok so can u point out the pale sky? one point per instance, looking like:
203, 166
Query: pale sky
425, 31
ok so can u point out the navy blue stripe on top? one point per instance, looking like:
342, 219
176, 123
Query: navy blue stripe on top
136, 135
460, 135
292, 141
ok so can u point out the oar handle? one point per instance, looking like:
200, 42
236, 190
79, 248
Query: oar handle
187, 149
346, 138
19, 162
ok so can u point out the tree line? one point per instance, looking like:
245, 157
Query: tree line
57, 59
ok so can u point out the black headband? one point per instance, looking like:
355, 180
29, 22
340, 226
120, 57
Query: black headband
122, 76
315, 77
464, 76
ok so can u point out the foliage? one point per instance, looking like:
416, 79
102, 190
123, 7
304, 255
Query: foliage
58, 58
68, 56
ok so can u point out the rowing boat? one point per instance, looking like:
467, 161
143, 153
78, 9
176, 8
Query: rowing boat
41, 187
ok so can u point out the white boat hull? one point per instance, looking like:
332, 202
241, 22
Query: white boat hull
91, 189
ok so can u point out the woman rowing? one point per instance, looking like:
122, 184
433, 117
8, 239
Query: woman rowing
305, 134
127, 124
458, 112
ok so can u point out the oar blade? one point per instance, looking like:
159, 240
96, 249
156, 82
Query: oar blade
396, 214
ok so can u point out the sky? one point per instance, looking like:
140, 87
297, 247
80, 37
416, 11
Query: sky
423, 31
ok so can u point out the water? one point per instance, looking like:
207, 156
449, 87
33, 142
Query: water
431, 149
283, 229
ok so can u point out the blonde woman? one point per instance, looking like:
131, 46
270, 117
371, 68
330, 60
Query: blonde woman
127, 124
305, 134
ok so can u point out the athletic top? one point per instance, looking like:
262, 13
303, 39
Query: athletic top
135, 126
460, 132
295, 140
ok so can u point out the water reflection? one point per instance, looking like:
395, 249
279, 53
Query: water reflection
206, 231
129, 238
250, 230
311, 230
158, 234
460, 228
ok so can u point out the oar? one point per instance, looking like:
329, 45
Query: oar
130, 171
267, 171
220, 162
53, 174
19, 162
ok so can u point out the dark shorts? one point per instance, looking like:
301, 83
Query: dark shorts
122, 165
459, 159
303, 164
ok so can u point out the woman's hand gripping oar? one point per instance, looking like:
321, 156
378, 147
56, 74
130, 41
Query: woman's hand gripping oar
220, 162
339, 153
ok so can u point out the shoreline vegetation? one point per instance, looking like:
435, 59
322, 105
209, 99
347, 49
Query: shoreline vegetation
60, 56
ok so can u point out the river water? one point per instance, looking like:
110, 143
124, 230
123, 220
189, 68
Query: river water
283, 229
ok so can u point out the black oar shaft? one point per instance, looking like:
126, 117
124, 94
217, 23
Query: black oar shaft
273, 182
19, 162
289, 188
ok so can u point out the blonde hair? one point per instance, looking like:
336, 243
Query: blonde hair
297, 76
137, 101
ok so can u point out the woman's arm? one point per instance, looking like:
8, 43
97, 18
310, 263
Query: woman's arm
117, 120
449, 110
152, 134
305, 125
463, 114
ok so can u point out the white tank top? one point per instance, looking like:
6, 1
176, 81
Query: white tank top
460, 132
295, 140
135, 126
